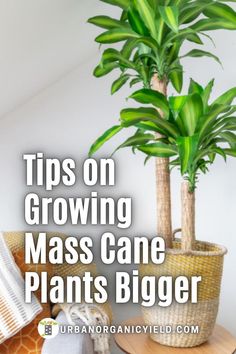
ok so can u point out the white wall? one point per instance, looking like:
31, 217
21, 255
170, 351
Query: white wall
63, 121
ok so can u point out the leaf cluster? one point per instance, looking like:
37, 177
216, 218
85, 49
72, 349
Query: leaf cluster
188, 129
152, 33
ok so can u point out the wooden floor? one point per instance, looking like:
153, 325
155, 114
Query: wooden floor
221, 342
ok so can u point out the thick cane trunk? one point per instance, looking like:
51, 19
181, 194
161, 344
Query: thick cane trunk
188, 217
164, 226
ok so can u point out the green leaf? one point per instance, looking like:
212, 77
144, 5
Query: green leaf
207, 94
124, 4
192, 11
132, 116
149, 126
176, 103
221, 11
128, 48
120, 82
194, 87
229, 123
154, 4
137, 139
227, 98
194, 38
212, 156
158, 149
230, 152
182, 35
157, 99
197, 53
188, 147
100, 71
162, 29
147, 14
176, 78
209, 37
208, 120
188, 16
213, 24
136, 22
106, 22
170, 15
175, 163
104, 138
230, 138
219, 151
128, 114
173, 53
135, 81
151, 43
131, 44
124, 15
116, 35
225, 122
146, 160
210, 152
110, 55
191, 113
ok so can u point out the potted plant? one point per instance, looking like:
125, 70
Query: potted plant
193, 131
153, 33
179, 131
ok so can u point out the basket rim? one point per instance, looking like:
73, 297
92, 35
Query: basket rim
221, 250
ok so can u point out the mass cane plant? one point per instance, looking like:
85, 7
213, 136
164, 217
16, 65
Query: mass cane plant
192, 132
153, 33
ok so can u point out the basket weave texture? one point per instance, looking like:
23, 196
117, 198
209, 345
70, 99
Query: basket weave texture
205, 261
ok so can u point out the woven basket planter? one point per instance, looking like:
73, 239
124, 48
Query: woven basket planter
206, 261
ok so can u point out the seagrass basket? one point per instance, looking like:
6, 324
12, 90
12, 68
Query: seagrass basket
206, 261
